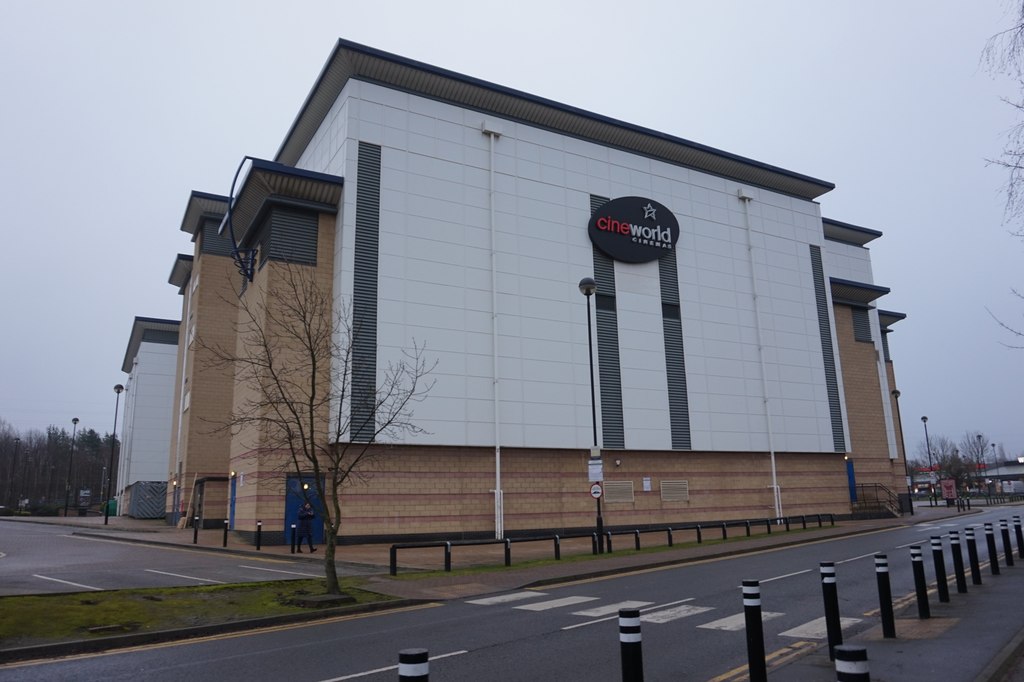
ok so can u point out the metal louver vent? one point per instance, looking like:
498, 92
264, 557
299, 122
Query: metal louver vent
675, 491
618, 491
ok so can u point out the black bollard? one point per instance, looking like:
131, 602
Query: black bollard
195, 530
699, 538
972, 555
852, 664
259, 535
941, 579
958, 562
830, 595
508, 552
225, 543
885, 596
993, 553
1020, 537
630, 647
413, 664
920, 585
1004, 530
756, 665
447, 557
293, 538
725, 533
558, 549
593, 540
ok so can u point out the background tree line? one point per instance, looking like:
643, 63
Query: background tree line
970, 461
35, 466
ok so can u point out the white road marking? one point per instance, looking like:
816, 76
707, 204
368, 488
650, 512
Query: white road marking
555, 603
669, 615
277, 570
855, 558
816, 629
649, 608
609, 609
737, 622
65, 582
390, 667
787, 575
505, 598
186, 577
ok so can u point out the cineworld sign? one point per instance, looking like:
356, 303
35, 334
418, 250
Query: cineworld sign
634, 229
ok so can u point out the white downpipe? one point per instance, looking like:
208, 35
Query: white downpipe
745, 199
499, 501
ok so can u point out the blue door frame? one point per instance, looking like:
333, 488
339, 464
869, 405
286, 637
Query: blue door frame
851, 480
295, 497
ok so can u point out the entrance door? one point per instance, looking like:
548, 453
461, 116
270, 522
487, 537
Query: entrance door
297, 491
852, 480
231, 503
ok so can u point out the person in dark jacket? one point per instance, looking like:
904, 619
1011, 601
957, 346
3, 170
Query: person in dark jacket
306, 516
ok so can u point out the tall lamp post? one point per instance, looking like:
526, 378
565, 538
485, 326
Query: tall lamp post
995, 460
931, 472
14, 471
71, 458
588, 287
903, 446
981, 457
110, 466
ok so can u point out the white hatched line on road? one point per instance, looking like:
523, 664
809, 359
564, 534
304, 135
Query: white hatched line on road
186, 577
66, 582
649, 608
365, 673
737, 622
505, 598
599, 611
277, 570
855, 558
780, 577
668, 615
816, 629
555, 603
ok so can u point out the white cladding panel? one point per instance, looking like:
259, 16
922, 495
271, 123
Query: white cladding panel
146, 428
847, 261
435, 283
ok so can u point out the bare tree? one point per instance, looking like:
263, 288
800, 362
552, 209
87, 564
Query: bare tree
1004, 54
293, 366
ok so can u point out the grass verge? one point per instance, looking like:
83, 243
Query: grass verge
54, 618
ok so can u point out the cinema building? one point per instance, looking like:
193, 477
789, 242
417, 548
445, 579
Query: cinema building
740, 365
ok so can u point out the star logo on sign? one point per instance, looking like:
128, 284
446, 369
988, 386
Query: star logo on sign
649, 212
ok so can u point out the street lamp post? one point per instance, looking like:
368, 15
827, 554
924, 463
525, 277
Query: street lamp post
71, 458
588, 287
14, 471
931, 472
903, 445
981, 458
995, 460
110, 466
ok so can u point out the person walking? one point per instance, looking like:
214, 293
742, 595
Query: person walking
306, 516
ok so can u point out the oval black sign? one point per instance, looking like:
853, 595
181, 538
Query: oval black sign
633, 229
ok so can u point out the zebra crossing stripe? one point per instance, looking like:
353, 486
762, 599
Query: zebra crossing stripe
675, 613
506, 598
736, 622
600, 611
555, 603
816, 629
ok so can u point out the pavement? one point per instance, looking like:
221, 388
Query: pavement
916, 654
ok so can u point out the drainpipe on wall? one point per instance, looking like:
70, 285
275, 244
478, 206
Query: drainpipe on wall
493, 133
745, 200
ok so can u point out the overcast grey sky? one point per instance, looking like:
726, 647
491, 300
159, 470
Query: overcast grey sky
112, 112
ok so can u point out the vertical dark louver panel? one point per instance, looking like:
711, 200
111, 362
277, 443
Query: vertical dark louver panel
608, 365
293, 236
885, 346
829, 358
364, 294
675, 363
861, 325
217, 244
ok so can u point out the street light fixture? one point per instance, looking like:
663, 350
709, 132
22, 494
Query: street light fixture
110, 466
588, 287
71, 458
931, 472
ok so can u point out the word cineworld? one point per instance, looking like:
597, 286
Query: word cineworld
633, 229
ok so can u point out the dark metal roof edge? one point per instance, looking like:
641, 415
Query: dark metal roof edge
189, 219
177, 276
859, 285
140, 325
277, 167
344, 45
851, 226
